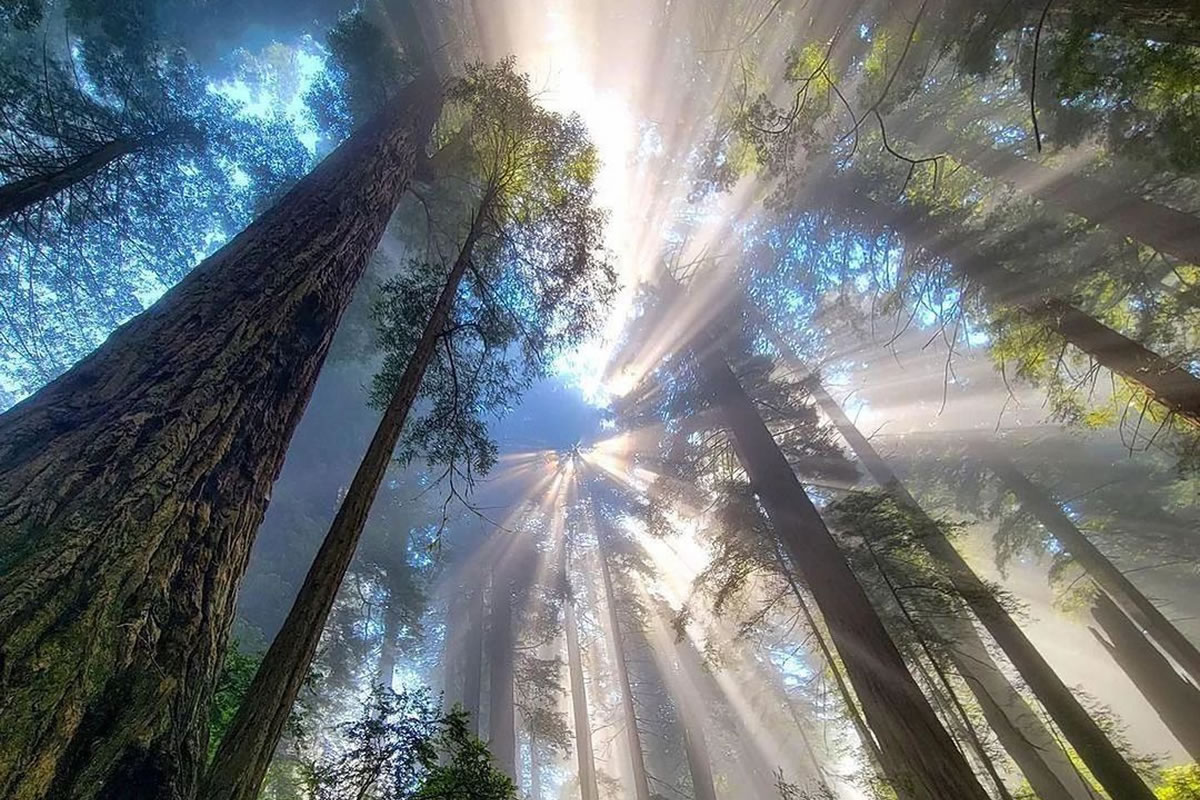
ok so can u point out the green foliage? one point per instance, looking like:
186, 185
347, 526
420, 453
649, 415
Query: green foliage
1179, 783
403, 747
237, 672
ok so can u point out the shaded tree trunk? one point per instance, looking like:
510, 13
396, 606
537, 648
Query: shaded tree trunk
241, 760
1168, 384
918, 753
501, 702
132, 485
20, 195
699, 761
1176, 701
1105, 761
633, 738
387, 644
588, 788
1104, 572
473, 660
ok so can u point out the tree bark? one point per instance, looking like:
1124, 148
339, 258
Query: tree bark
1105, 761
241, 760
133, 484
633, 738
1104, 572
1168, 384
920, 756
473, 660
585, 756
20, 195
501, 704
699, 761
387, 643
1176, 701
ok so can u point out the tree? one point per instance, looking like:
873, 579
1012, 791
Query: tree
536, 283
205, 387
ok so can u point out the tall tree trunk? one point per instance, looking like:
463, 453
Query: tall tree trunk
241, 760
1168, 384
1105, 761
1164, 228
1176, 701
918, 752
588, 788
501, 704
1099, 568
20, 195
132, 485
473, 660
699, 760
633, 738
387, 643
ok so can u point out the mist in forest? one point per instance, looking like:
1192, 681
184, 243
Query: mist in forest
586, 400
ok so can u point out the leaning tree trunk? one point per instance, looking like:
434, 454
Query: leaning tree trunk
1168, 384
132, 486
1099, 568
21, 195
241, 760
917, 751
501, 702
1176, 701
1081, 730
1022, 734
588, 788
633, 738
1166, 229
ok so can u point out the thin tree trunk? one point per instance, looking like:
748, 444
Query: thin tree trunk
1176, 701
918, 752
501, 704
133, 484
1105, 761
387, 643
473, 660
1104, 572
589, 790
1176, 389
20, 195
633, 739
241, 760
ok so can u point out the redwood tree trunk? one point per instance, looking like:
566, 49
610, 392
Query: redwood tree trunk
1093, 746
1104, 572
588, 788
1168, 384
20, 195
502, 735
241, 760
699, 760
1176, 701
473, 660
132, 486
918, 753
633, 738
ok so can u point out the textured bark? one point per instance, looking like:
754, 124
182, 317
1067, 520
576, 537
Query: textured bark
1173, 387
1176, 701
919, 755
588, 788
241, 760
20, 195
633, 738
1104, 572
473, 660
501, 705
132, 485
1081, 730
